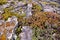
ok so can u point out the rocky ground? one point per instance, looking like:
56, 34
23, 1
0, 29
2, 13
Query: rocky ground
29, 20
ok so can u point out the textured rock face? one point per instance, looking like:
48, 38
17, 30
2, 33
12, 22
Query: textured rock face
25, 8
29, 10
26, 33
7, 27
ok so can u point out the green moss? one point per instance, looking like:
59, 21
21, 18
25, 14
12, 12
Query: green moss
17, 38
18, 31
37, 7
19, 0
34, 38
36, 33
8, 14
3, 2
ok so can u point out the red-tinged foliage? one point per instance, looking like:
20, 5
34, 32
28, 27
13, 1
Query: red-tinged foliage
39, 19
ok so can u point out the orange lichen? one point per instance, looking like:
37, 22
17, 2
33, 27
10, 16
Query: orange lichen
3, 37
13, 24
8, 24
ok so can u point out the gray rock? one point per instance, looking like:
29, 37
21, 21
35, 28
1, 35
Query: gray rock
26, 33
